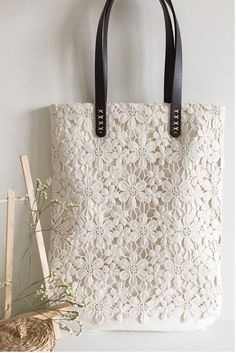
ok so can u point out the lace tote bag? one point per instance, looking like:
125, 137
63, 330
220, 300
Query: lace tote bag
145, 239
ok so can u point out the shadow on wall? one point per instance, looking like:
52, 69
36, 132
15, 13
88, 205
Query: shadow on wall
40, 160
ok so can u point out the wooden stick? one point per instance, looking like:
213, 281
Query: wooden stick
39, 234
18, 198
9, 252
43, 314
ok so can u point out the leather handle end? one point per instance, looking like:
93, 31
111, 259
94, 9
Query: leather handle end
100, 134
175, 121
100, 122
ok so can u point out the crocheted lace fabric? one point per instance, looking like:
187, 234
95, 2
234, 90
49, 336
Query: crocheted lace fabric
145, 240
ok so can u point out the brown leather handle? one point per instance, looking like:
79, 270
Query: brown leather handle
173, 69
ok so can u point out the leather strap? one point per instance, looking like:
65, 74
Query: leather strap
173, 69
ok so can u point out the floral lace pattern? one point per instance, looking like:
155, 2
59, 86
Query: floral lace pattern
146, 237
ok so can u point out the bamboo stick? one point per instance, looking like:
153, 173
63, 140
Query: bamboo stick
9, 252
18, 198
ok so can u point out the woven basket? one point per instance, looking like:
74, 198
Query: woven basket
27, 335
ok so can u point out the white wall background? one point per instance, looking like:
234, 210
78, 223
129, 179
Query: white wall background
47, 56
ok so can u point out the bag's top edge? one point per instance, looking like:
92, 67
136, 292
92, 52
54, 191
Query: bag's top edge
54, 107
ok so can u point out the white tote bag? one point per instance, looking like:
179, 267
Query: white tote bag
146, 237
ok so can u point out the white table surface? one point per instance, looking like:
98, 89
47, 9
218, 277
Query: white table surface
217, 338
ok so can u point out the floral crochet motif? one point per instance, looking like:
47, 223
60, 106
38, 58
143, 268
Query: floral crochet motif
145, 241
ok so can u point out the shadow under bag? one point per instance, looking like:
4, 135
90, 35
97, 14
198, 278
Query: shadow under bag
145, 239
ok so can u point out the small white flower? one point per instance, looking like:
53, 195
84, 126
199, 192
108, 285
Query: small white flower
162, 136
160, 119
100, 230
163, 216
79, 228
132, 190
165, 295
212, 190
99, 306
213, 233
119, 292
136, 114
187, 230
210, 300
97, 151
157, 253
178, 270
111, 175
188, 305
90, 191
164, 155
119, 215
89, 268
165, 309
113, 253
118, 113
154, 273
154, 183
133, 268
176, 191
142, 151
143, 229
142, 306
111, 195
185, 151
122, 311
111, 272
155, 175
